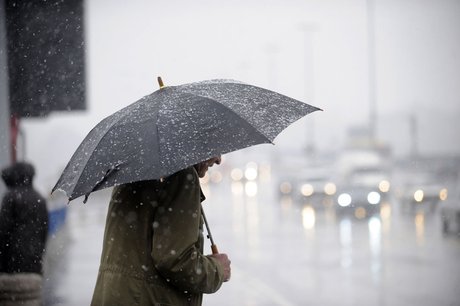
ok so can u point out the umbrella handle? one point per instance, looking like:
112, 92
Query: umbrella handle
160, 82
214, 249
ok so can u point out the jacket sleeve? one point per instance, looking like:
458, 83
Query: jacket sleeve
176, 247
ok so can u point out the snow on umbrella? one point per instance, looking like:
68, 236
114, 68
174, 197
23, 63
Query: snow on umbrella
176, 127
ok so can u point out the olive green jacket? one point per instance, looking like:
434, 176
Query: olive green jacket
153, 245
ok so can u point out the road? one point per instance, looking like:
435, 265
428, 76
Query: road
285, 252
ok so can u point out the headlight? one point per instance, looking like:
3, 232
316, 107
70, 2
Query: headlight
307, 190
216, 176
443, 194
237, 174
285, 188
418, 195
373, 197
344, 199
384, 186
251, 172
330, 189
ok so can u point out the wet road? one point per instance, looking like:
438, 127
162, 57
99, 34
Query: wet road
285, 252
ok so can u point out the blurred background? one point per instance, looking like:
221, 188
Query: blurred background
356, 204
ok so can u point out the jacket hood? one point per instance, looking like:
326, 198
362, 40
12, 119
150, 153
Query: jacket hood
19, 174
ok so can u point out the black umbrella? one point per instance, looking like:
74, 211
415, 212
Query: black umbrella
174, 128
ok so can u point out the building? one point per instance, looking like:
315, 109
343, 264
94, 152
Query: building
42, 65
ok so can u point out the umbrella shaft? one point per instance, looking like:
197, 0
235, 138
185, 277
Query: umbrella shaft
207, 226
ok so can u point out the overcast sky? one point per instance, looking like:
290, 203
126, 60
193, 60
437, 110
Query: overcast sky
315, 51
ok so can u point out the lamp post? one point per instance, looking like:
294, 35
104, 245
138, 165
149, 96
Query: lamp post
308, 31
371, 69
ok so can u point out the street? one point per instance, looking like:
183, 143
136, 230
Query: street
284, 252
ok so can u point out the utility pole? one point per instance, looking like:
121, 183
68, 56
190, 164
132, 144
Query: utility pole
413, 136
370, 5
308, 31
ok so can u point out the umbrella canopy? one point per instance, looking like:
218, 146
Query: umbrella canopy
176, 127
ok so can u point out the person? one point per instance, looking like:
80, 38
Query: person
153, 244
23, 236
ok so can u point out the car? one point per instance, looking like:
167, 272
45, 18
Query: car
363, 190
308, 183
421, 191
450, 214
376, 178
315, 187
358, 200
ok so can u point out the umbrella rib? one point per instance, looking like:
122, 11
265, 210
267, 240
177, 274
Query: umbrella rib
120, 117
229, 109
157, 110
71, 196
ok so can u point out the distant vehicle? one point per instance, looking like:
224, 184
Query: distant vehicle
450, 214
359, 200
310, 183
372, 177
316, 186
364, 181
421, 190
363, 187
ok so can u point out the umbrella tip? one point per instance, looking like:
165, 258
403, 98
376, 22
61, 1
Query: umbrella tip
160, 82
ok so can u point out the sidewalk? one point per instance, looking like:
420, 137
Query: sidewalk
73, 253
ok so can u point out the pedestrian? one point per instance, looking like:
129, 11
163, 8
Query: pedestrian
23, 235
153, 244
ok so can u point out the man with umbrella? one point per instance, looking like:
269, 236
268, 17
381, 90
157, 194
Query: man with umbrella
154, 151
153, 244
